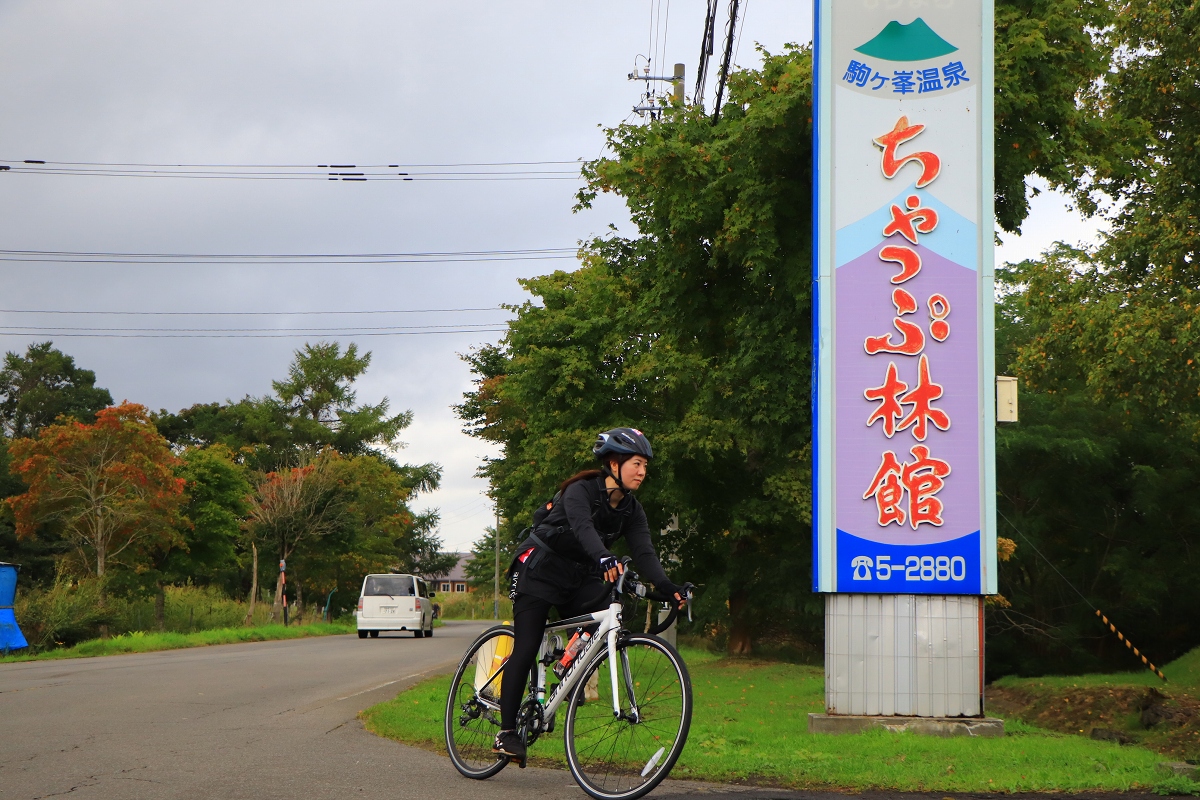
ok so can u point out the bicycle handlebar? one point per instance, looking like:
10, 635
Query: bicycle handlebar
641, 590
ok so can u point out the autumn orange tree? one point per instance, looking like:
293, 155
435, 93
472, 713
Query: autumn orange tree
110, 485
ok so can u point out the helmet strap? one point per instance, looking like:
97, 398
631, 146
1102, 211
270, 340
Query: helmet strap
607, 470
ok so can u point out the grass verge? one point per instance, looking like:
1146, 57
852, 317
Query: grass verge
143, 642
1130, 707
750, 725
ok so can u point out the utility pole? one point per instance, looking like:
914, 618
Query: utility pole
650, 98
496, 595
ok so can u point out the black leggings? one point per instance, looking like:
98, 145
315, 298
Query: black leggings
529, 623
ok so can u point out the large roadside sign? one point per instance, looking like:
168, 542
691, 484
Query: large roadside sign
904, 401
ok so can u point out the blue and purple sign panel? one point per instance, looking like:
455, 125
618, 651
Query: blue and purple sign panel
904, 392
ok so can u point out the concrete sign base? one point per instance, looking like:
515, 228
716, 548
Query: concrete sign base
929, 726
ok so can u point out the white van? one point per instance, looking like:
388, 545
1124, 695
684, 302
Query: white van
395, 603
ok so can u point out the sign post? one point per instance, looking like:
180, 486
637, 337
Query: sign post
904, 534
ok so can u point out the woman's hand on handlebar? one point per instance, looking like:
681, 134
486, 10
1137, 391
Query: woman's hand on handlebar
612, 568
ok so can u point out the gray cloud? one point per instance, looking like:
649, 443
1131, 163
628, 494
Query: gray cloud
368, 81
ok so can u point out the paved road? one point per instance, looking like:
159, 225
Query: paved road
264, 720
254, 721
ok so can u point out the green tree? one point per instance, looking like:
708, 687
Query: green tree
109, 486
697, 330
43, 384
216, 489
314, 408
481, 567
1050, 54
1096, 490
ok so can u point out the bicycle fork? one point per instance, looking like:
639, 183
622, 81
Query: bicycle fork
618, 658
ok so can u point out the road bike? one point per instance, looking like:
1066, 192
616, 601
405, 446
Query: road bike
622, 735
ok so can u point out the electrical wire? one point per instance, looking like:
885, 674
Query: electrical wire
280, 166
1049, 563
738, 47
285, 335
461, 325
245, 313
452, 171
426, 257
350, 177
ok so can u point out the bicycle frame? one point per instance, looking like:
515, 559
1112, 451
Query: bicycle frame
605, 638
608, 631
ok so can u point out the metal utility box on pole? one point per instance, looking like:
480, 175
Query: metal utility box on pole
904, 520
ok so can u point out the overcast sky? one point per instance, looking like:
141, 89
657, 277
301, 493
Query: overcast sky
307, 83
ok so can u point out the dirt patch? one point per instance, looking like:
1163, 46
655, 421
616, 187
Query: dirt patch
1166, 721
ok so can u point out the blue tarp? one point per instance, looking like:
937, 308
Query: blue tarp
11, 637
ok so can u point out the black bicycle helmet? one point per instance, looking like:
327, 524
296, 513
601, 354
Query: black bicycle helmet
624, 442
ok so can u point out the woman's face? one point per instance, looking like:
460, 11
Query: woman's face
632, 472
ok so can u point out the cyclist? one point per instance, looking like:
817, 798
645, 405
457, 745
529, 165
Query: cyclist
566, 561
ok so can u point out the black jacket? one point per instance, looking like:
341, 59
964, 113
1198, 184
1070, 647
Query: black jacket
581, 529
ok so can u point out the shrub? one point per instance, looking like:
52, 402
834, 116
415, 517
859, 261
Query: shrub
65, 613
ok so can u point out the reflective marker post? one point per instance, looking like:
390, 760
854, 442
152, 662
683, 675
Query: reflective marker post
904, 532
283, 589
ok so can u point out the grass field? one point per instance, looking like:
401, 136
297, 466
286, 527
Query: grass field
142, 642
472, 605
750, 725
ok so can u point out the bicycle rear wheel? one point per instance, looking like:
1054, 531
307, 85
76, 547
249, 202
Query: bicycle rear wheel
623, 758
473, 705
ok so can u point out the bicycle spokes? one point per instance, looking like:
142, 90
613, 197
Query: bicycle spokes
626, 755
473, 706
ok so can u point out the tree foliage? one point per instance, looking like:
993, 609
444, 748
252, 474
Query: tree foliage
42, 385
110, 484
313, 409
698, 328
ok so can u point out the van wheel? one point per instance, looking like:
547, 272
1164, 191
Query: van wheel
362, 634
374, 634
418, 633
429, 633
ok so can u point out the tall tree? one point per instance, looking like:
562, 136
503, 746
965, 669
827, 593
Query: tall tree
110, 484
43, 384
216, 491
313, 409
698, 329
294, 505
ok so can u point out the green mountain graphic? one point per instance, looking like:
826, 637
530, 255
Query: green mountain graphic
915, 41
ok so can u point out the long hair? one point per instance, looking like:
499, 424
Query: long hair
587, 474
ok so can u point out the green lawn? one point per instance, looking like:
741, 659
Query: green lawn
750, 725
143, 642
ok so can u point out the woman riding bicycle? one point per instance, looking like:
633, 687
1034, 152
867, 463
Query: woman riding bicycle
566, 560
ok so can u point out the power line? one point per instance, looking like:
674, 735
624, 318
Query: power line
301, 335
86, 257
245, 313
457, 326
738, 47
706, 51
40, 162
726, 59
463, 171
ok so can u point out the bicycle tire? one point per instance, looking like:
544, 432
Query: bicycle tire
471, 725
619, 758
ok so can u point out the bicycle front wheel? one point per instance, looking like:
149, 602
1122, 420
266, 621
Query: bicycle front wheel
473, 705
622, 757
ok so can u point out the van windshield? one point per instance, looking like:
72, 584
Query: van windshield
389, 585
